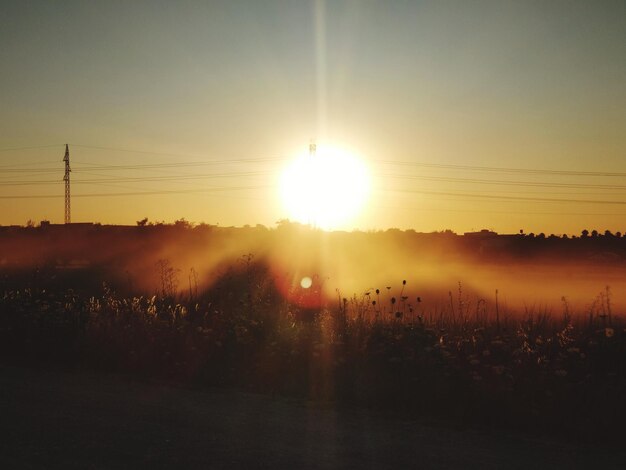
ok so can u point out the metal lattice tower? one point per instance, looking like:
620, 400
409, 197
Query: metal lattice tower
66, 178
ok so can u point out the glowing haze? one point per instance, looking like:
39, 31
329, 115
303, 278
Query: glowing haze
464, 115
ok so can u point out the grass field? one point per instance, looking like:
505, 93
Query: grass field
548, 373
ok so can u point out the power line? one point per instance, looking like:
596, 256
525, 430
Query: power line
47, 162
142, 166
145, 152
181, 178
142, 179
235, 188
178, 155
386, 175
533, 171
506, 182
145, 193
16, 149
31, 170
187, 177
427, 209
504, 169
508, 198
178, 164
249, 160
234, 174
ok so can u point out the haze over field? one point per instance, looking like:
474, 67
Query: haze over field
466, 115
313, 268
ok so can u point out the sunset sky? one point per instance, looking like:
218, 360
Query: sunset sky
468, 115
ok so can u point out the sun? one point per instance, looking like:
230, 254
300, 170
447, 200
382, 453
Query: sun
327, 188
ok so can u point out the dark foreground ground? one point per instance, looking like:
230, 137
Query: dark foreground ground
78, 420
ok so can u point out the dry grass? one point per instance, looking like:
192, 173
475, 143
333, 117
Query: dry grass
562, 373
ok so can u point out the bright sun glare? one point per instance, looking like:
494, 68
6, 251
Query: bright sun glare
326, 189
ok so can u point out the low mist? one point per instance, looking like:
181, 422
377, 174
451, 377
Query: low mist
445, 270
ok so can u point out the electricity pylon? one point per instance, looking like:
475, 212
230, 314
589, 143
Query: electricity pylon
66, 178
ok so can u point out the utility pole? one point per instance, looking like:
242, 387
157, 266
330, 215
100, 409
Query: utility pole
66, 178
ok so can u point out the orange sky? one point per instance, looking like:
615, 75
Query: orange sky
500, 115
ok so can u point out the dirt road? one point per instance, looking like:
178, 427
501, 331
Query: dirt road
78, 420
